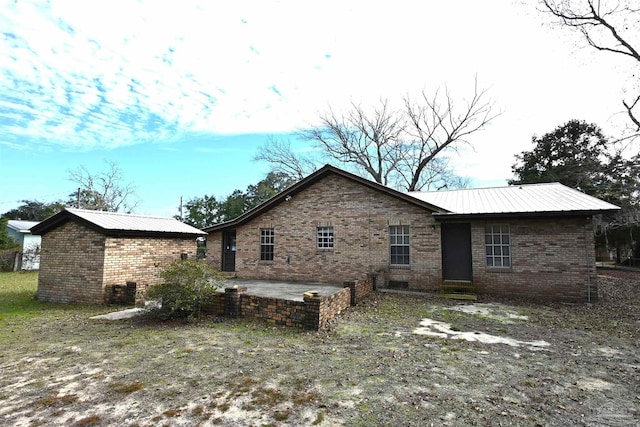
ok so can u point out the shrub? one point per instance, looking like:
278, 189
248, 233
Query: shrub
7, 259
187, 285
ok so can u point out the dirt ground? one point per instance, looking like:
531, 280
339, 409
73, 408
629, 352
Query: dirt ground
394, 360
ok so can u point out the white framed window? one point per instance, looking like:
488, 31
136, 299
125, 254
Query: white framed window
399, 244
267, 244
497, 242
324, 238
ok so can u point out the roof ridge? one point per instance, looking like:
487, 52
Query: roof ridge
72, 210
488, 188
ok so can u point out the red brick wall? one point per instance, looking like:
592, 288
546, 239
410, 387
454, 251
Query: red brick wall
71, 265
360, 217
333, 305
550, 256
79, 264
140, 259
273, 310
551, 259
214, 250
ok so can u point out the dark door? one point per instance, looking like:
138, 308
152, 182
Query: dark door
229, 251
456, 252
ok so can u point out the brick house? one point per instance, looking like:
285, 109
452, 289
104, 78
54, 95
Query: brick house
529, 241
87, 255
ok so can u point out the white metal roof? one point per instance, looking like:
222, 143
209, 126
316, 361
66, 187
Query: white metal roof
21, 226
529, 198
132, 222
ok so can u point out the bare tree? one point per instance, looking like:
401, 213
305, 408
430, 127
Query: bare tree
608, 26
404, 147
436, 124
436, 175
369, 141
285, 160
102, 191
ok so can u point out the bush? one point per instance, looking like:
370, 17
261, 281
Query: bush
187, 285
7, 259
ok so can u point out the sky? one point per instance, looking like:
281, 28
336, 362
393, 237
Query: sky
181, 95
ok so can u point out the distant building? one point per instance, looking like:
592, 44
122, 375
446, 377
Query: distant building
29, 258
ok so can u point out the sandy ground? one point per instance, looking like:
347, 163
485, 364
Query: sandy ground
393, 360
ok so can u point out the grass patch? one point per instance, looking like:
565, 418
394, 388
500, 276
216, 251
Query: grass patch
319, 419
171, 413
124, 388
55, 400
18, 290
18, 300
91, 420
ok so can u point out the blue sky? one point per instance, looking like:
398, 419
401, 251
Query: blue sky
182, 94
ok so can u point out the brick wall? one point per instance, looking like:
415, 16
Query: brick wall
360, 218
80, 265
313, 313
214, 250
551, 259
140, 259
273, 310
332, 306
71, 265
360, 288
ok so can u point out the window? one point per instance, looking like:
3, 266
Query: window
267, 242
325, 238
399, 244
498, 245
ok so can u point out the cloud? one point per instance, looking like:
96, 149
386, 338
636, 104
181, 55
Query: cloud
83, 75
118, 74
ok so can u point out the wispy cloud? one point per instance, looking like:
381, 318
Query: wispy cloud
113, 74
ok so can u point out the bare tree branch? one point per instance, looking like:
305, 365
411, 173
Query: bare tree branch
436, 124
399, 147
284, 159
367, 140
607, 26
102, 191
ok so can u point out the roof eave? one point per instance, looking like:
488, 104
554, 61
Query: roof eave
62, 217
154, 234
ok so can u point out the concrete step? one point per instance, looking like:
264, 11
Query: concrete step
458, 286
467, 297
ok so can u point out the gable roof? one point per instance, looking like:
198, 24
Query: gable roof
527, 200
532, 200
119, 224
21, 226
318, 175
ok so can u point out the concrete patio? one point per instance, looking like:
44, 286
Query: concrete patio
292, 291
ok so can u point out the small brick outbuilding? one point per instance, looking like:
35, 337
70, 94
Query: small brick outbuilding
528, 241
86, 254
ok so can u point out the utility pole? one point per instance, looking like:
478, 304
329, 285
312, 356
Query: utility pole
181, 217
78, 199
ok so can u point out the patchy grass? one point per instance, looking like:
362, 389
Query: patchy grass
18, 290
369, 368
125, 388
54, 400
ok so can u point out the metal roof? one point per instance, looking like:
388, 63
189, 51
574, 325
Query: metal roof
119, 223
21, 226
516, 199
